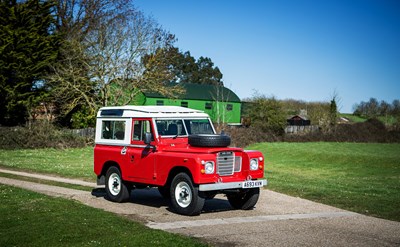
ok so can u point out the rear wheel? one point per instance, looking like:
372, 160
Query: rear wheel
116, 189
185, 197
245, 199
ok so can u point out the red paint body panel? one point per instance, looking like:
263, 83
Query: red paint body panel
153, 167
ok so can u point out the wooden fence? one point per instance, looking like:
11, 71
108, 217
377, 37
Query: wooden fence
294, 129
87, 132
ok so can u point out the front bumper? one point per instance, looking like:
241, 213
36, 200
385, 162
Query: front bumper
227, 186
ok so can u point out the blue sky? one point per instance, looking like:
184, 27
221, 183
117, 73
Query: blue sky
299, 49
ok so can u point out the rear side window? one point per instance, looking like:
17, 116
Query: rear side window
113, 130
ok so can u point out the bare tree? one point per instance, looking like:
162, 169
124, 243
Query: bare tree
100, 62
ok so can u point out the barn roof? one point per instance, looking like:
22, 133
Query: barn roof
298, 116
194, 91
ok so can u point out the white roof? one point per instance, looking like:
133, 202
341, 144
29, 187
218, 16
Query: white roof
153, 111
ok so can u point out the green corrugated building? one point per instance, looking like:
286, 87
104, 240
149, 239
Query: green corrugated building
219, 102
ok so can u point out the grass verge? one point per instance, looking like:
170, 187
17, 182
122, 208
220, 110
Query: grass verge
360, 177
72, 162
48, 182
32, 219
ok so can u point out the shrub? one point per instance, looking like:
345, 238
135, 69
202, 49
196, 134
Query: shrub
244, 136
38, 135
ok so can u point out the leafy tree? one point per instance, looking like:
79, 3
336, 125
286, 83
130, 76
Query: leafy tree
207, 73
267, 114
28, 45
185, 68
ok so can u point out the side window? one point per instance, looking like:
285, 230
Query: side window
208, 106
229, 107
113, 130
140, 128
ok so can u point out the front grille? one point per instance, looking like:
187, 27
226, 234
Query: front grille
225, 163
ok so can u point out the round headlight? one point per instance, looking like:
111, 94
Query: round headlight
253, 164
209, 167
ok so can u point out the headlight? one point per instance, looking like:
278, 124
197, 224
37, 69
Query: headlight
253, 164
209, 167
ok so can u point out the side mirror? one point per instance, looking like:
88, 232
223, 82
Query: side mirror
147, 138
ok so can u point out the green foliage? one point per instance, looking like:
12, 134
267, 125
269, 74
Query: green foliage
267, 114
333, 112
32, 219
183, 67
360, 177
83, 118
28, 45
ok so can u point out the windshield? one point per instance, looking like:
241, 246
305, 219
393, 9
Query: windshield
180, 127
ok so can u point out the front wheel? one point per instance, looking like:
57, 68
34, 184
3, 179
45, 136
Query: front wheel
185, 197
116, 189
245, 199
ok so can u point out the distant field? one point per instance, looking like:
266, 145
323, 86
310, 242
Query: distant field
353, 118
389, 120
360, 177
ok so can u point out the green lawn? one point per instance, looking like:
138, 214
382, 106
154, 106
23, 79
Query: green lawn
32, 219
360, 177
74, 162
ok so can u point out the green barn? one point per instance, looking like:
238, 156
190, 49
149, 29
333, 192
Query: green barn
223, 105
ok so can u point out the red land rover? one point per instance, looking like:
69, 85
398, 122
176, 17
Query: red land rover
176, 150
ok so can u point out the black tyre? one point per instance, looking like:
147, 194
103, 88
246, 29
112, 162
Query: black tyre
202, 140
185, 197
116, 189
245, 199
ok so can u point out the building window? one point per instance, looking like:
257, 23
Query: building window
184, 104
160, 102
208, 106
229, 107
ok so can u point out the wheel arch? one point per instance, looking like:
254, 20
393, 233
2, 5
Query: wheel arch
176, 170
101, 179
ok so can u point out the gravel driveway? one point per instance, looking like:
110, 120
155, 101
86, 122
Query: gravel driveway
278, 220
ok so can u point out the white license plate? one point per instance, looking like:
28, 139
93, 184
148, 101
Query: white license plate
252, 184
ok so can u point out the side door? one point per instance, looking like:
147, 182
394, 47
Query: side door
141, 157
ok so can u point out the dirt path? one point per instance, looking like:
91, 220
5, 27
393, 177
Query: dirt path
278, 220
